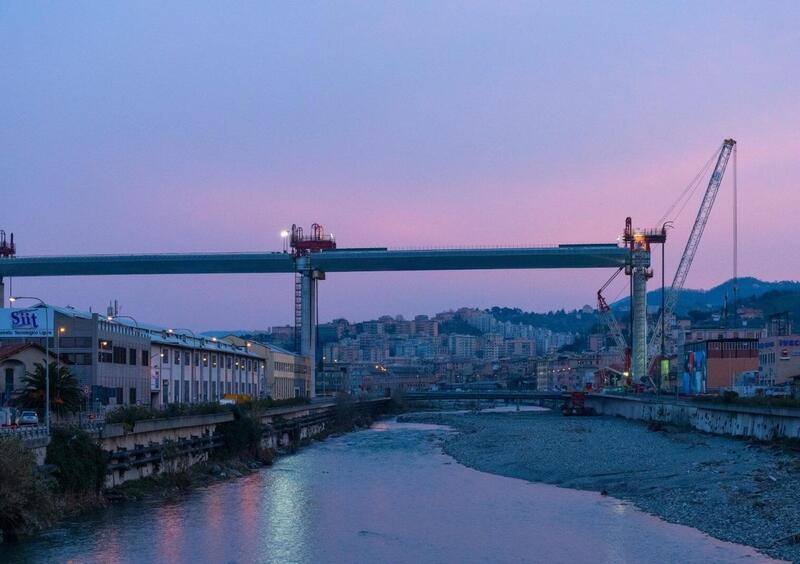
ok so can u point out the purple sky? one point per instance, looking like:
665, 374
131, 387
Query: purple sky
209, 127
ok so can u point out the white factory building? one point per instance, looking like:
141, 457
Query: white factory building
120, 361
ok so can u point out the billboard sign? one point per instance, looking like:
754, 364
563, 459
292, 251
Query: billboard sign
694, 373
32, 322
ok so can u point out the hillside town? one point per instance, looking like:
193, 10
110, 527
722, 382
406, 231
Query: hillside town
710, 351
121, 361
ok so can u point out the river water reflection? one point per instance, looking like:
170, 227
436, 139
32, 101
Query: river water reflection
386, 494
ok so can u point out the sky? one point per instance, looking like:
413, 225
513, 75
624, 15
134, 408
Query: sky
210, 126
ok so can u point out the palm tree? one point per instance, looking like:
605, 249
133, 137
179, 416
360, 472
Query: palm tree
65, 392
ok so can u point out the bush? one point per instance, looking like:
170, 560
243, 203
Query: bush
270, 403
175, 466
128, 415
242, 436
26, 500
80, 463
729, 396
181, 409
345, 410
398, 401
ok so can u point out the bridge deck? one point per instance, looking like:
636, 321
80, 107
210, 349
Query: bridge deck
343, 260
484, 395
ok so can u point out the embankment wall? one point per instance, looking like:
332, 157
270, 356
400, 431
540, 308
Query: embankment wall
763, 423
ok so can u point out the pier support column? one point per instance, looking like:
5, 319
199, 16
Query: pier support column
308, 316
2, 293
641, 272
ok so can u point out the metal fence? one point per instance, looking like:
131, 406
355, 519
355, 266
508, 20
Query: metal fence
25, 431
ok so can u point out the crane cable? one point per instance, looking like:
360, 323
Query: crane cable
610, 280
735, 235
689, 191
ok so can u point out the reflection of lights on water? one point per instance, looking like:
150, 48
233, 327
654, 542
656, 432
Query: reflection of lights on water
285, 525
380, 427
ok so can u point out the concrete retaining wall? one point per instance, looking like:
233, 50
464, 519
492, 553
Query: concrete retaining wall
163, 445
154, 446
158, 445
762, 423
39, 447
155, 443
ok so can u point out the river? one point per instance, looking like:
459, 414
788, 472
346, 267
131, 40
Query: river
386, 494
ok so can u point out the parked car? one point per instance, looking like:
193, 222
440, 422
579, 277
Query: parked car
28, 418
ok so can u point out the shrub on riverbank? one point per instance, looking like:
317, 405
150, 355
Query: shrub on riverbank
397, 402
345, 410
269, 403
128, 415
80, 464
27, 502
348, 415
242, 436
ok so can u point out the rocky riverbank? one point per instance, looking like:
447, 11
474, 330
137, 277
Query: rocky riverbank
734, 490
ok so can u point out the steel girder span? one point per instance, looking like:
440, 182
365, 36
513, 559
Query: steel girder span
564, 256
340, 260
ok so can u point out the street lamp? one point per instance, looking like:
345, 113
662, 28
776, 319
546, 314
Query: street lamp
173, 331
61, 330
285, 237
13, 299
112, 318
663, 312
255, 383
152, 356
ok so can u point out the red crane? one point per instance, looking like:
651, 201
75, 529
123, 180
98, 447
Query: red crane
314, 243
7, 248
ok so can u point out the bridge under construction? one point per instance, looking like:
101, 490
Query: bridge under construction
311, 256
310, 266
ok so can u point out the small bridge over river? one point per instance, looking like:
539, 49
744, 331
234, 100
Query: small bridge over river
488, 395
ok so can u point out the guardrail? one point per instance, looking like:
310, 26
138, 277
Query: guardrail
510, 395
125, 459
26, 431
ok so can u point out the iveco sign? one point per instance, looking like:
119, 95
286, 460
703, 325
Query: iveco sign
33, 322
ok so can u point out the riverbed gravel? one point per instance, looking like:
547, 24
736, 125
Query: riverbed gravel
734, 490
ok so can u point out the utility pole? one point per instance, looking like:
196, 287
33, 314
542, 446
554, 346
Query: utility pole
735, 240
663, 318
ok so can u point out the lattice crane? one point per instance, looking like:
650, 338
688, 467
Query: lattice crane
610, 319
692, 243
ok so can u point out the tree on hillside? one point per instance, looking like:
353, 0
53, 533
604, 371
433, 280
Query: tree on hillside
65, 392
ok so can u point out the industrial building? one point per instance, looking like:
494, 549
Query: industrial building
110, 360
119, 361
287, 374
191, 369
712, 365
778, 360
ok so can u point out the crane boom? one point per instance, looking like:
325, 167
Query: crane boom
692, 243
608, 316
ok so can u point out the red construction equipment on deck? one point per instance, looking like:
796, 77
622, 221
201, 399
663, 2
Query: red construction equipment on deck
314, 243
576, 405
